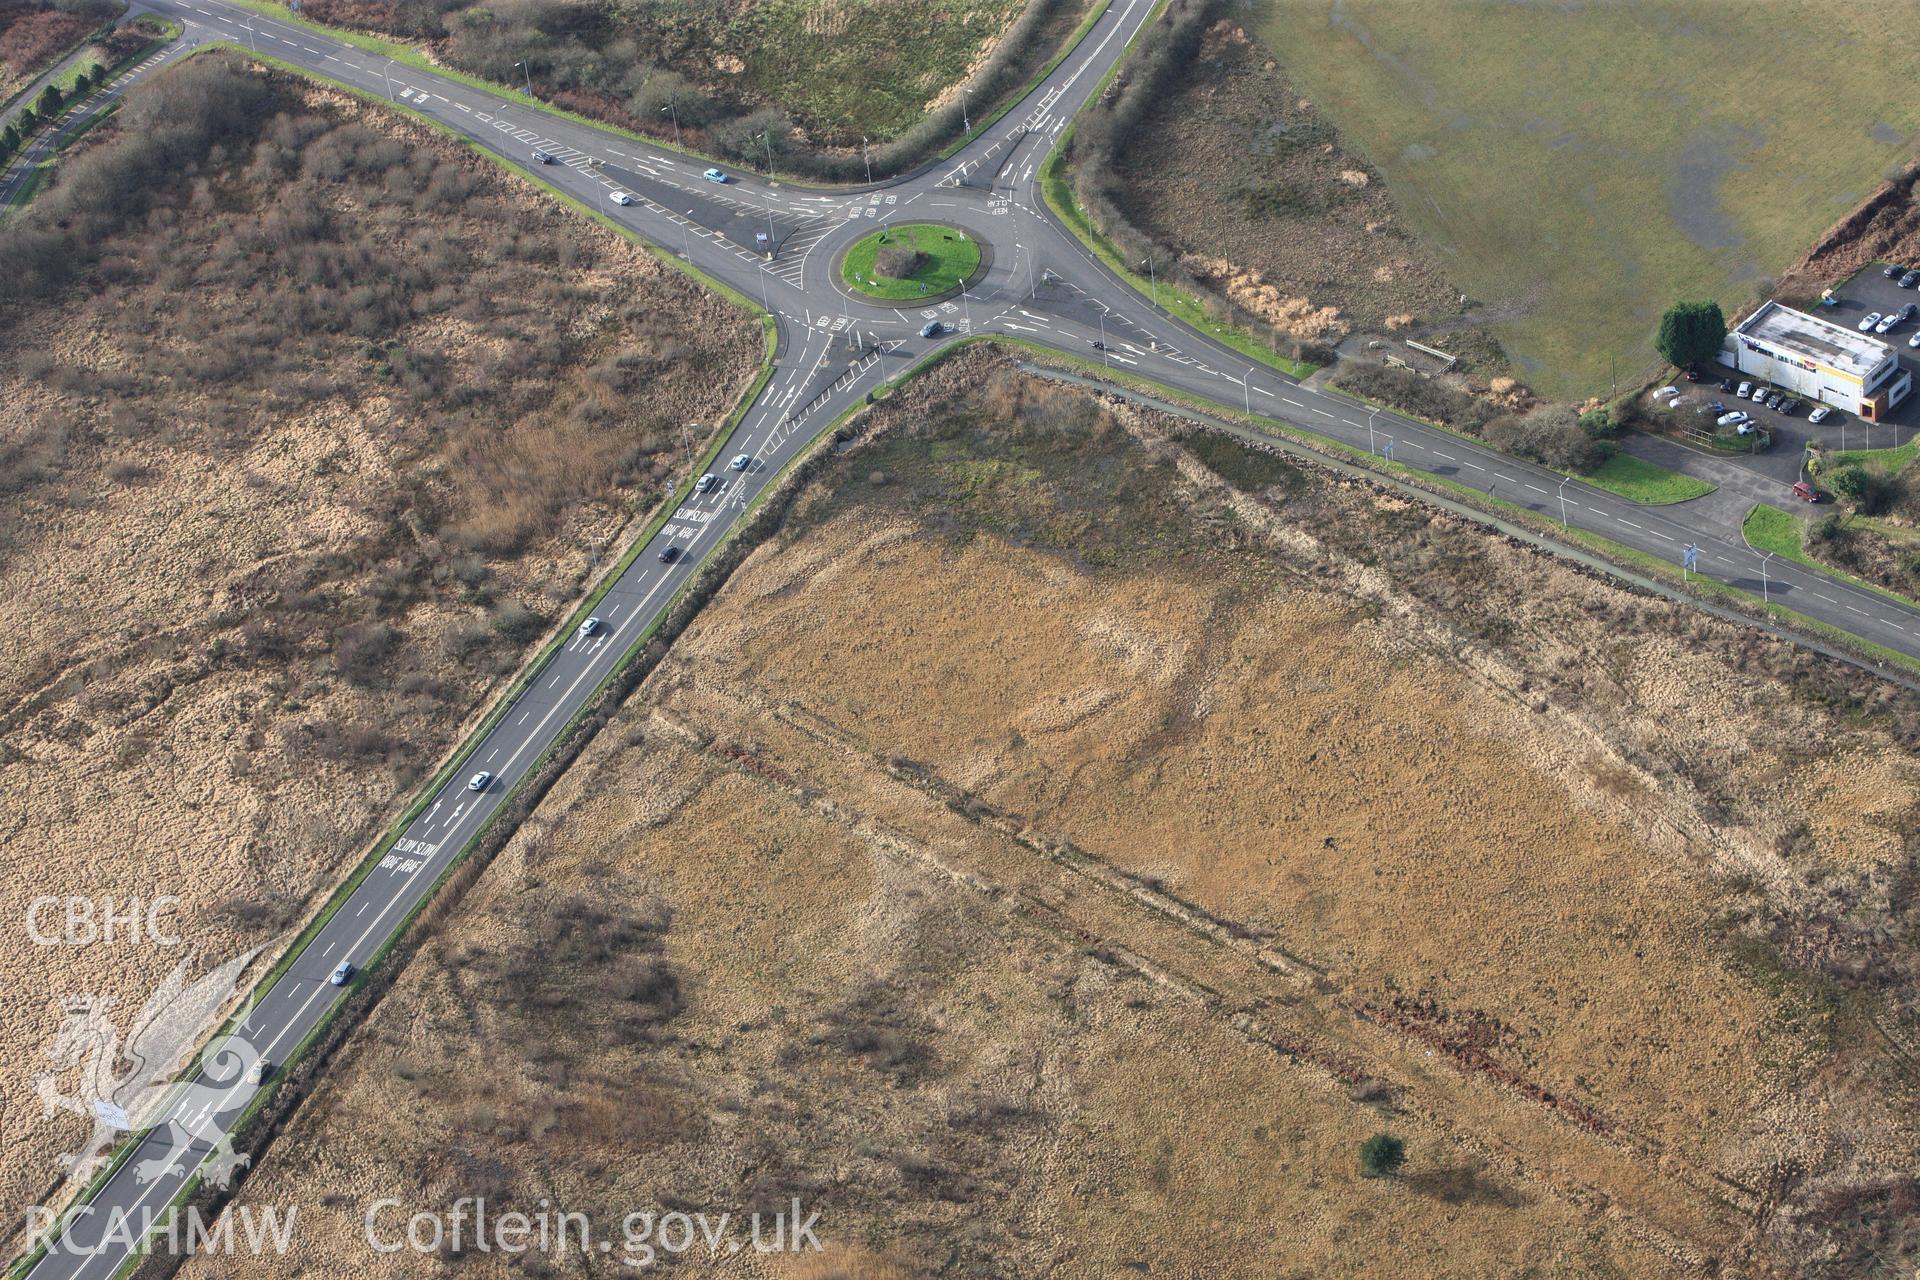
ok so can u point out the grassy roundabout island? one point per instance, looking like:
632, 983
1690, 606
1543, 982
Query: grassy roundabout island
910, 262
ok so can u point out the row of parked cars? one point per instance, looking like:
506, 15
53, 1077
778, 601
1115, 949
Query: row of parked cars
1888, 322
1902, 276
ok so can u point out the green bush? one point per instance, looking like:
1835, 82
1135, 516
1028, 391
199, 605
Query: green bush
1382, 1155
1599, 424
1866, 491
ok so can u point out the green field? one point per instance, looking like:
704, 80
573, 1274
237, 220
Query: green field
1646, 482
951, 257
1576, 167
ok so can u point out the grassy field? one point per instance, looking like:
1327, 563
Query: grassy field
948, 258
1643, 481
1587, 202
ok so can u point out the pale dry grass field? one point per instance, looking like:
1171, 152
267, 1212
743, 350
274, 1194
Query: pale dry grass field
260, 565
1052, 853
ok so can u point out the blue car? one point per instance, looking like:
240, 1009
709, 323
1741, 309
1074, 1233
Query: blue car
714, 175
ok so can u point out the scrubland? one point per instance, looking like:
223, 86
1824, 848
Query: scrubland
1067, 837
311, 423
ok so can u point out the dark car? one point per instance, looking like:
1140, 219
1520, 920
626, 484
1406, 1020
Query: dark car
931, 329
1775, 400
1718, 406
669, 553
1909, 311
1909, 280
1805, 492
1790, 408
1694, 375
1894, 272
1726, 384
542, 157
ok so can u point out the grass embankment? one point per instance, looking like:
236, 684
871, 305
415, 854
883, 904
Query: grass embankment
944, 259
1770, 529
1645, 482
1593, 201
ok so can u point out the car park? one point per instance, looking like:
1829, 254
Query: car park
1775, 400
1819, 415
542, 157
1908, 280
740, 462
705, 483
479, 781
590, 626
714, 175
342, 973
669, 553
1805, 492
620, 197
931, 329
1869, 320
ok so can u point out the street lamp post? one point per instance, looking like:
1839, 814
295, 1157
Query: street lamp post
1563, 501
673, 107
866, 159
767, 138
1103, 339
964, 117
967, 304
1152, 280
387, 71
1246, 390
1370, 413
526, 71
255, 46
1766, 592
686, 434
686, 238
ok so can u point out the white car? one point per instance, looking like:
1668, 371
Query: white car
1887, 322
259, 1071
1760, 392
1819, 415
620, 197
1872, 319
1667, 391
479, 781
1746, 389
705, 483
740, 462
590, 626
1733, 419
1914, 341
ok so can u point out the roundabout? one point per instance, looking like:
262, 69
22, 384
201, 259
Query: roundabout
913, 262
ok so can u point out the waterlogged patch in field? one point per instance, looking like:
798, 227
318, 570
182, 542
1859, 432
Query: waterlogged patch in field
1583, 165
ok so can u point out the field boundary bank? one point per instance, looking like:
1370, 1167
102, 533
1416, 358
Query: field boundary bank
1592, 560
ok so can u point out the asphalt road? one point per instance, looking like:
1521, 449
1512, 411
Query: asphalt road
1040, 285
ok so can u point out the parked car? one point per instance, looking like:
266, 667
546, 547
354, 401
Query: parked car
479, 781
669, 553
931, 329
1909, 280
1871, 319
1805, 492
542, 157
714, 175
1887, 322
1775, 400
590, 626
1733, 419
1893, 271
1661, 393
342, 973
620, 197
1726, 384
1746, 389
1760, 393
740, 462
1694, 375
1909, 311
1914, 341
1790, 408
1819, 415
1717, 407
705, 483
